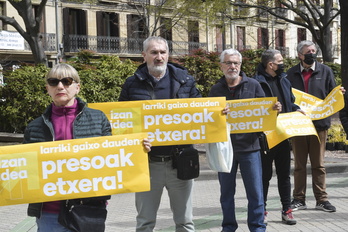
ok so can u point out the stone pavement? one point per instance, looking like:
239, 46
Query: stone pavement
207, 212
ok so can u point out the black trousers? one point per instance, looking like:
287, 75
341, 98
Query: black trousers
280, 154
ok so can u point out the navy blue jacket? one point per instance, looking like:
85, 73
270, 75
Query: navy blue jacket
140, 87
320, 84
247, 88
285, 84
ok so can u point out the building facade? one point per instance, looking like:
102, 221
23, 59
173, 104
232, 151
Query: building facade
120, 26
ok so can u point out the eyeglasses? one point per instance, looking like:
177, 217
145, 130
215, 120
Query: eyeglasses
66, 81
229, 63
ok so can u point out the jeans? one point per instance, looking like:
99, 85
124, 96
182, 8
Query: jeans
280, 154
48, 222
251, 171
162, 175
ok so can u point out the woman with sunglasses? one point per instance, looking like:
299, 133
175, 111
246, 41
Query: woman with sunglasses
67, 117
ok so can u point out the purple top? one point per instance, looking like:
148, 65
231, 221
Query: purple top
62, 119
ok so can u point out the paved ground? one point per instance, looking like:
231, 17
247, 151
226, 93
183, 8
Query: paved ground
207, 212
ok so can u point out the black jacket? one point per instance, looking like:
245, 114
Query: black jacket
320, 85
140, 87
344, 115
262, 77
88, 123
247, 88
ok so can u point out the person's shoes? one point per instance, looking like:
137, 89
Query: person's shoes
325, 206
297, 205
288, 218
265, 218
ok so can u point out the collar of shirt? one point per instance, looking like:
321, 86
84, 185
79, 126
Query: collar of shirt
312, 67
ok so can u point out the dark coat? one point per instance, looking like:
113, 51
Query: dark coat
247, 88
139, 86
88, 123
320, 85
285, 84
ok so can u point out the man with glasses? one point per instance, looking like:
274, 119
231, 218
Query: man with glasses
317, 79
246, 148
270, 74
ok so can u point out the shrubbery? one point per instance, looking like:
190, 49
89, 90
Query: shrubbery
26, 97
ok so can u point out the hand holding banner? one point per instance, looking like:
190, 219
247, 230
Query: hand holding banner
317, 108
69, 169
169, 122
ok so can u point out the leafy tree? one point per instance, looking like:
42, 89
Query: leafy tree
32, 22
309, 14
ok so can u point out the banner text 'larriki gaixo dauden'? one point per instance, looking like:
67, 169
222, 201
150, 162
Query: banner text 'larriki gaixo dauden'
68, 169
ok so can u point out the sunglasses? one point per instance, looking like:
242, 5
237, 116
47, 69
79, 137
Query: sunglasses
66, 81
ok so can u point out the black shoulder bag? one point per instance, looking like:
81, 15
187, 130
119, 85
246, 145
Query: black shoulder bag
186, 161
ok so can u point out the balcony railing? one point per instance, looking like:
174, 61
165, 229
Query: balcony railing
106, 44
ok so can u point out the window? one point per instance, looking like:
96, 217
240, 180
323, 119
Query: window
136, 33
75, 29
301, 34
108, 31
241, 38
280, 41
193, 35
166, 31
262, 38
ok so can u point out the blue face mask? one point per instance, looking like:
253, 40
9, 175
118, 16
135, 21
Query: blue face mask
310, 58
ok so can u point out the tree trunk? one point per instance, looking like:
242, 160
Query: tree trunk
344, 43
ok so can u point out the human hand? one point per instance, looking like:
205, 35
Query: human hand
301, 111
277, 106
147, 145
343, 90
226, 110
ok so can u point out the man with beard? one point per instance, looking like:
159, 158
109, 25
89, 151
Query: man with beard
158, 79
317, 79
246, 148
270, 74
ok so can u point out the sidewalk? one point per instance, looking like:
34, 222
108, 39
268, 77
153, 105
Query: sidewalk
207, 212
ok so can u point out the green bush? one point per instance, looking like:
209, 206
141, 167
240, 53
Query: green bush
25, 97
204, 67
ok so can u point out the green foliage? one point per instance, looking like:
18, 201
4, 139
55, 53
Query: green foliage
336, 68
251, 59
204, 67
336, 134
102, 81
25, 97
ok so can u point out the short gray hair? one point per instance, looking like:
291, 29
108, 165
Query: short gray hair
230, 52
305, 43
154, 38
268, 56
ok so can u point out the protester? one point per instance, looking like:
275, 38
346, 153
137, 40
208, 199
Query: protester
316, 79
343, 114
270, 74
158, 79
67, 117
236, 85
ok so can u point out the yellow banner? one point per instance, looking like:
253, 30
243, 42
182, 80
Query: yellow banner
169, 122
290, 125
68, 169
317, 108
252, 115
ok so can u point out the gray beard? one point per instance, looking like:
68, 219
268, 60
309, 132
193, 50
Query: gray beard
157, 70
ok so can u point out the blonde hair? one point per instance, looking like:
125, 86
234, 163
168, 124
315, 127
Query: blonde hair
63, 70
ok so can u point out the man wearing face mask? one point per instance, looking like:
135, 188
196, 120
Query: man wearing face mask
270, 74
317, 79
